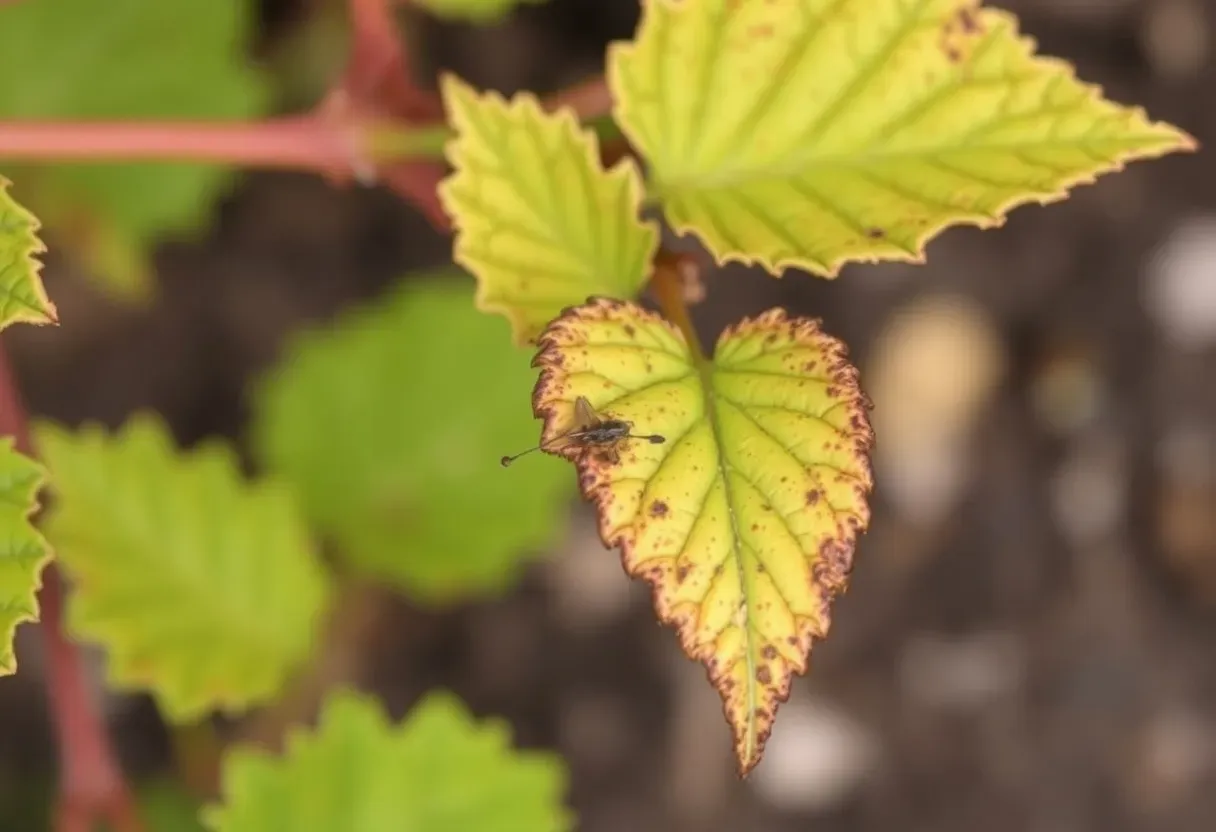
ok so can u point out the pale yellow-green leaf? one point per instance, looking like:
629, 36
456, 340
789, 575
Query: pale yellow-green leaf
22, 297
438, 771
745, 518
538, 221
203, 588
23, 551
810, 133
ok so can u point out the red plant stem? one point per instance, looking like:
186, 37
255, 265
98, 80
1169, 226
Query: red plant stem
299, 142
91, 783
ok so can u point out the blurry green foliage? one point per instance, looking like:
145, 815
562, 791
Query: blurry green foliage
391, 424
125, 59
439, 771
204, 589
477, 11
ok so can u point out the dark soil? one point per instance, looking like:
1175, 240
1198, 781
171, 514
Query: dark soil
1111, 633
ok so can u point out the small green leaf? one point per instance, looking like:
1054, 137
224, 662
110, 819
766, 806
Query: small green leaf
392, 425
439, 771
744, 520
23, 551
817, 132
203, 588
538, 220
22, 296
477, 11
165, 807
141, 60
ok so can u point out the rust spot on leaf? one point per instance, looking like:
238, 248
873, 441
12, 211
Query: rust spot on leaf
812, 496
769, 652
658, 509
763, 675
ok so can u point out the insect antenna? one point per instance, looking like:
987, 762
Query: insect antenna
652, 438
507, 460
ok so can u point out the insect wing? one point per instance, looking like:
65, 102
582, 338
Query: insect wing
585, 416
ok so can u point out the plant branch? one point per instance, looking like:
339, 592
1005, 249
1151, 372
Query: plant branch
91, 786
298, 142
674, 278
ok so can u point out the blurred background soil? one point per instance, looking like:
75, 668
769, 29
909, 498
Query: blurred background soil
1029, 641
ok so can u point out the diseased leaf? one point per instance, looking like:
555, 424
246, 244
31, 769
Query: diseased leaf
439, 771
538, 220
810, 133
478, 11
391, 426
23, 551
204, 589
139, 60
744, 520
22, 296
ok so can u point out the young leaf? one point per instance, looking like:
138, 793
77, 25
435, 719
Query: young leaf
538, 220
23, 551
478, 11
391, 426
203, 588
439, 771
22, 297
744, 520
140, 60
817, 132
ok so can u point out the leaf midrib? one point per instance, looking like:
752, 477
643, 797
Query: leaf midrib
674, 187
705, 370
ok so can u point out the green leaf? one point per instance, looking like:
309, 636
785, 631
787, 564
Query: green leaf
23, 551
392, 425
164, 807
22, 296
538, 221
744, 520
477, 11
439, 771
138, 60
203, 588
813, 133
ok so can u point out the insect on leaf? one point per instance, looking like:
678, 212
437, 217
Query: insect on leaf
439, 771
23, 551
22, 296
744, 520
539, 222
810, 133
204, 589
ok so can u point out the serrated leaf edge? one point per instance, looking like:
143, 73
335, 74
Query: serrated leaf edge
37, 482
1185, 143
456, 94
839, 557
38, 317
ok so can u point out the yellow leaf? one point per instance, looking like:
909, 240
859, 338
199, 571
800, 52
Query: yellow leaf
744, 520
539, 222
809, 133
22, 296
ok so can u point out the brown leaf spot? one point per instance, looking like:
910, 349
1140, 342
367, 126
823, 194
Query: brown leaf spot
812, 496
763, 675
769, 652
875, 233
681, 573
968, 22
658, 509
630, 331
